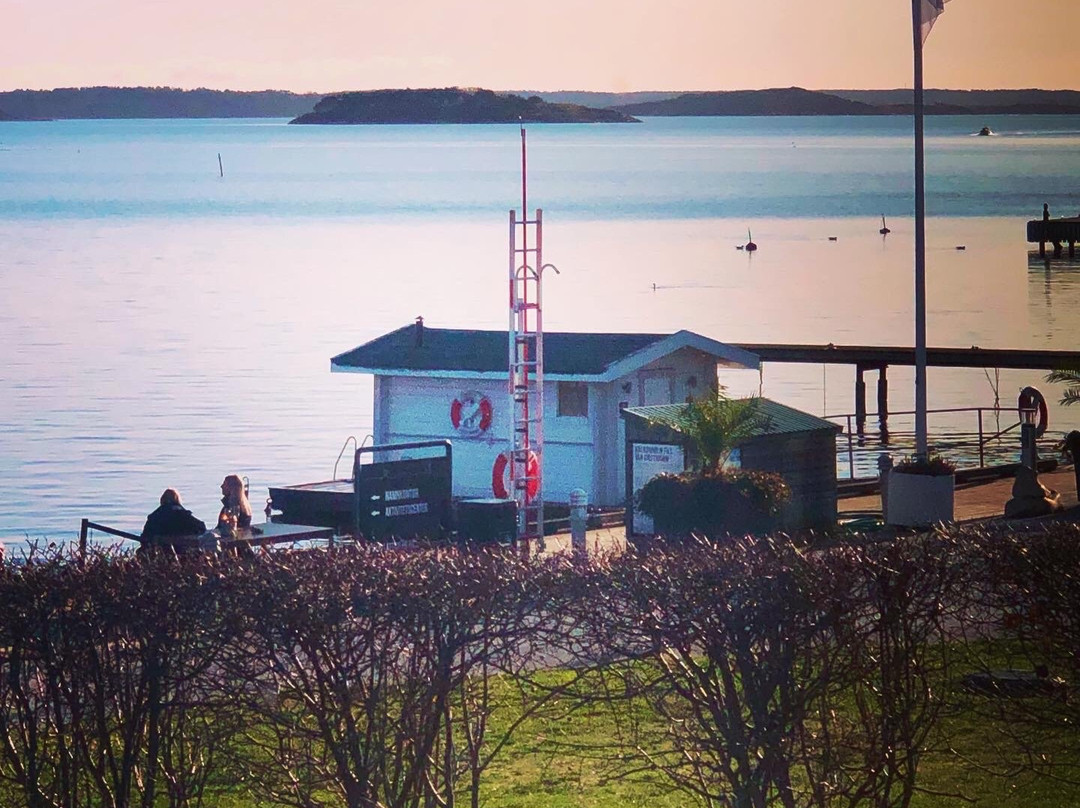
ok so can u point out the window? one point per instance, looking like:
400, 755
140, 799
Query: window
574, 399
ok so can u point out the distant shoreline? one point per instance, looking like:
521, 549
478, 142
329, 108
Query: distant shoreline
137, 103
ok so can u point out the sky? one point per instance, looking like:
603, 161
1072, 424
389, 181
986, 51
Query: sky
603, 45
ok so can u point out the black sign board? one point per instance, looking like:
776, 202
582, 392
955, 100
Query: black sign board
405, 492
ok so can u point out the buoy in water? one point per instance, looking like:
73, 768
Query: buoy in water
884, 229
750, 245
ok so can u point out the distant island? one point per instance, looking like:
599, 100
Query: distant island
152, 102
486, 106
792, 101
451, 105
797, 101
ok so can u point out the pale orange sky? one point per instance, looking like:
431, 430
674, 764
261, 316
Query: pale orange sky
327, 45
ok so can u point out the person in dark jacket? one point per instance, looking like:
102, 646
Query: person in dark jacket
171, 519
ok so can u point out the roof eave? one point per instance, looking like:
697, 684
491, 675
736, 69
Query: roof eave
500, 375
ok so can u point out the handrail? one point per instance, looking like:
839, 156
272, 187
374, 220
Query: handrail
913, 412
344, 446
853, 430
86, 526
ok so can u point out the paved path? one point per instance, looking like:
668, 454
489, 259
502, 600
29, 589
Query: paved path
980, 500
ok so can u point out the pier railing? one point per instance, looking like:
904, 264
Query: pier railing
971, 437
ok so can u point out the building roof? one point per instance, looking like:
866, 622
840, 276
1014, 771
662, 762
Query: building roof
447, 352
777, 418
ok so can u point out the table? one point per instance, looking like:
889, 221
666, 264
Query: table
260, 535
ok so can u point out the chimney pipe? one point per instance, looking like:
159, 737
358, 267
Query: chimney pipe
419, 332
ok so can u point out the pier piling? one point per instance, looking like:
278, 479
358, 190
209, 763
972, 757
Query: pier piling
860, 396
882, 396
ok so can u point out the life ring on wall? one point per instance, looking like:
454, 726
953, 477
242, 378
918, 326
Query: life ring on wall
1031, 399
471, 413
500, 481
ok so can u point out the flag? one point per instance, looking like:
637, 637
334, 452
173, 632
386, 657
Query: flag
928, 12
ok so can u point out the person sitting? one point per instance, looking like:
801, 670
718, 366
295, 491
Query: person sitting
171, 519
235, 508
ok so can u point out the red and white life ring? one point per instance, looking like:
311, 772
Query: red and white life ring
1031, 399
500, 481
471, 413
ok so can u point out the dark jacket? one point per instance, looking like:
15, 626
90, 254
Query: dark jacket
172, 520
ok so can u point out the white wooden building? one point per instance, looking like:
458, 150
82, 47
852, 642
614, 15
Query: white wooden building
436, 383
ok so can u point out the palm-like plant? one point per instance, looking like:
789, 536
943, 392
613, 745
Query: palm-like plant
1070, 377
717, 424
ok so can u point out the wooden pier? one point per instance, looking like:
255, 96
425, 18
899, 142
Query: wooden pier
879, 357
1056, 231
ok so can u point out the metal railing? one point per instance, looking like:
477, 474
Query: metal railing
969, 443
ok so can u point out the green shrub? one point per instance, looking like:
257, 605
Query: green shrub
931, 466
714, 502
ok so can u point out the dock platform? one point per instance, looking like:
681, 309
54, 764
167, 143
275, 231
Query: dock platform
1060, 231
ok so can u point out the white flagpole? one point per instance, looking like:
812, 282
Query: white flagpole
920, 241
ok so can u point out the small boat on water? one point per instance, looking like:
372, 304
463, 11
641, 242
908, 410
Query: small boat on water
986, 130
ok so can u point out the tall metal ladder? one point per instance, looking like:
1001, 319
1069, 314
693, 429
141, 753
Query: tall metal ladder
526, 367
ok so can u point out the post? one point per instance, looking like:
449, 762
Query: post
882, 396
982, 460
850, 451
920, 239
579, 502
1027, 446
860, 397
884, 464
84, 529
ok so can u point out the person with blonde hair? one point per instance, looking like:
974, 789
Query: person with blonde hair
235, 508
171, 519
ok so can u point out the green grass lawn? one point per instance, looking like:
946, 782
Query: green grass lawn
567, 759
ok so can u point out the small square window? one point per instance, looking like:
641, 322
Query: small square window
574, 399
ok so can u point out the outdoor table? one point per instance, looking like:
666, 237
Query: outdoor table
260, 535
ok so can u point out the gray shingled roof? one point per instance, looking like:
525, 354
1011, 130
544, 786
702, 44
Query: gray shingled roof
470, 351
777, 418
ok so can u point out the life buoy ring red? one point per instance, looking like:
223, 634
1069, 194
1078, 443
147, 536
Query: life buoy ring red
500, 481
471, 413
1031, 399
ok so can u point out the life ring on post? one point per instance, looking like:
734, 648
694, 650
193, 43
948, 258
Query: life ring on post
1031, 399
500, 476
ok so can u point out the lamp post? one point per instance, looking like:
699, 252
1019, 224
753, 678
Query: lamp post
1028, 419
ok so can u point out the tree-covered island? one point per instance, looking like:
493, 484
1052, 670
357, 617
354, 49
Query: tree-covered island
451, 105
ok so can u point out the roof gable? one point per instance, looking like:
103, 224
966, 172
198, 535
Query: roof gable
467, 352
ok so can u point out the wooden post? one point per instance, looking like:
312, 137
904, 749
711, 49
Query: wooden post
860, 397
84, 529
882, 395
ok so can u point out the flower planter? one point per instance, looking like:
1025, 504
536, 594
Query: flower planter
919, 500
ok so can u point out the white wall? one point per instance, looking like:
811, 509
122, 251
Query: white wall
418, 408
671, 377
585, 452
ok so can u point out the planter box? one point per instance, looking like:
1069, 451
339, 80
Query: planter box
919, 500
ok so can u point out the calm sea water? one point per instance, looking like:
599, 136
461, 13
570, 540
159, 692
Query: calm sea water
163, 325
